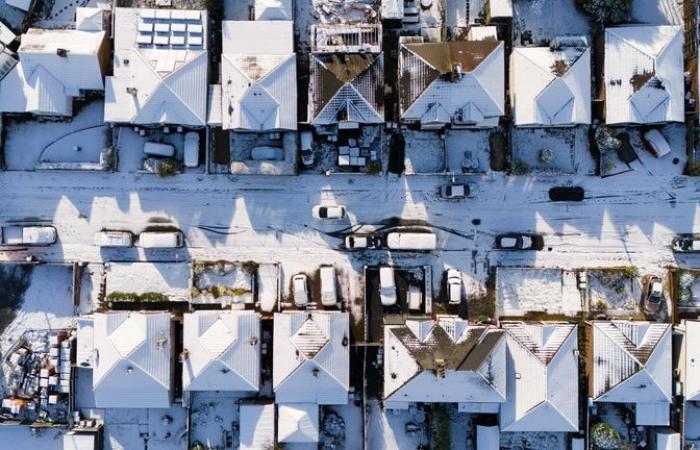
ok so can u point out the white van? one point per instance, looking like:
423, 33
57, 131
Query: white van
114, 239
411, 241
28, 235
387, 286
161, 239
329, 295
157, 149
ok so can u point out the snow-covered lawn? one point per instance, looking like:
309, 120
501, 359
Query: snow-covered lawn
212, 415
692, 423
171, 279
30, 141
540, 441
468, 148
547, 19
352, 419
387, 428
47, 303
128, 429
425, 152
521, 290
25, 438
614, 291
657, 12
566, 149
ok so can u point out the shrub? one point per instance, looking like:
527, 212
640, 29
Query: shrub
693, 169
606, 12
520, 168
604, 436
167, 168
373, 168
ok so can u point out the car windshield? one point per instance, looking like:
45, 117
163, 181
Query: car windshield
323, 212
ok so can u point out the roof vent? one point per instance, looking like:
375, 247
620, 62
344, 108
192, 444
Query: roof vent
129, 369
440, 368
184, 355
253, 341
315, 372
62, 52
161, 342
132, 90
345, 341
456, 72
125, 61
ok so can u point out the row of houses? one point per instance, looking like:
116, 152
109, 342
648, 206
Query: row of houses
156, 72
529, 374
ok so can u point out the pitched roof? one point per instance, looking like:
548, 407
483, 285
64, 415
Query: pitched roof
159, 78
346, 86
273, 10
631, 362
470, 360
311, 361
297, 423
223, 351
257, 425
692, 360
551, 87
133, 358
466, 78
259, 89
539, 397
644, 74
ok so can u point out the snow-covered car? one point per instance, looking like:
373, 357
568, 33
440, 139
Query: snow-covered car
329, 294
28, 235
454, 286
411, 240
652, 295
656, 143
686, 243
191, 149
300, 288
519, 241
114, 239
456, 191
415, 298
161, 239
267, 153
158, 149
387, 286
329, 212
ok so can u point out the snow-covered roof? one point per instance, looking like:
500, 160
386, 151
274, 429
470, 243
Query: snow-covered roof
89, 19
297, 423
447, 360
459, 82
54, 66
551, 87
542, 373
311, 360
258, 81
170, 279
692, 360
257, 426
133, 357
160, 68
644, 74
500, 9
346, 87
631, 362
223, 351
273, 9
79, 441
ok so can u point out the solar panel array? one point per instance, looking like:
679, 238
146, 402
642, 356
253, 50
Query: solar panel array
176, 28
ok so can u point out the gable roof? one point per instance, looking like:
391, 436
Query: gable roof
551, 87
311, 361
692, 360
631, 362
158, 82
297, 423
346, 86
133, 353
466, 78
644, 74
471, 360
223, 351
540, 396
273, 10
259, 89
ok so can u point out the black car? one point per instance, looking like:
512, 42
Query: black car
519, 241
686, 243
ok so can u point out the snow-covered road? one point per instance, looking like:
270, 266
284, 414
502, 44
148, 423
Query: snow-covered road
629, 219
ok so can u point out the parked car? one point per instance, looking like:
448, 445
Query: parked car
454, 286
306, 140
161, 239
28, 235
329, 212
360, 241
329, 294
566, 194
656, 143
158, 149
191, 149
415, 298
387, 286
455, 191
411, 241
300, 288
519, 241
686, 243
114, 239
652, 295
267, 153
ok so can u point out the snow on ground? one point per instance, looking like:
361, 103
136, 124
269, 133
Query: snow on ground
692, 424
613, 291
673, 163
171, 279
352, 418
129, 144
47, 303
155, 429
212, 416
521, 290
467, 149
425, 152
540, 441
25, 438
387, 428
657, 12
547, 19
688, 289
90, 283
29, 141
567, 148
61, 13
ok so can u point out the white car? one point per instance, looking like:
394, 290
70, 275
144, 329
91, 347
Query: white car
28, 235
329, 212
456, 191
301, 291
415, 298
191, 149
387, 286
329, 294
114, 239
454, 286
